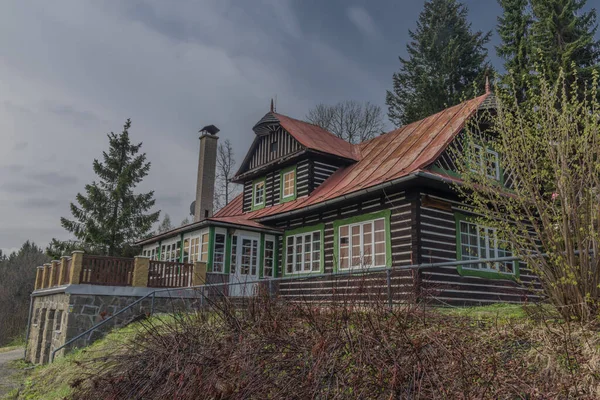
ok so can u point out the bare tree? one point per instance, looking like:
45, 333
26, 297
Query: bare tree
350, 120
225, 190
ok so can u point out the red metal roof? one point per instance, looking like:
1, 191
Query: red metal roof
385, 158
316, 138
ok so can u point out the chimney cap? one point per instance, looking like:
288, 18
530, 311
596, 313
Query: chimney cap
213, 130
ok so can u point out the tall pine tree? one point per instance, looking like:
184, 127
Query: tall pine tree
514, 28
563, 35
445, 60
110, 215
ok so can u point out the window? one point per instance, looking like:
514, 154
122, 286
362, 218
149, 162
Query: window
363, 244
289, 184
219, 253
486, 160
273, 147
170, 252
233, 262
478, 242
303, 252
186, 250
259, 194
204, 248
269, 258
58, 323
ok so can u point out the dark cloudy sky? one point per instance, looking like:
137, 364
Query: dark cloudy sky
73, 70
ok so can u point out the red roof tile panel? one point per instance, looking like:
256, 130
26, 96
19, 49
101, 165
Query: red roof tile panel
387, 157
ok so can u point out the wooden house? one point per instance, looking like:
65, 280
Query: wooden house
313, 203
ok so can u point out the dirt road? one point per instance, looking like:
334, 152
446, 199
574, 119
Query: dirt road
7, 381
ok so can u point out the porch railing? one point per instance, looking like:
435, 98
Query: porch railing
164, 274
110, 271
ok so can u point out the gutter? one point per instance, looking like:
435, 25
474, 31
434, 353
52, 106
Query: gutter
202, 224
404, 179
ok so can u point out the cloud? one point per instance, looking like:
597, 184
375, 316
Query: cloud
55, 179
172, 67
39, 203
363, 21
20, 146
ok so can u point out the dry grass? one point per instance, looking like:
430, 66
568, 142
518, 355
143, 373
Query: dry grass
273, 349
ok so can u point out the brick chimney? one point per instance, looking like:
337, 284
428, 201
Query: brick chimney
207, 164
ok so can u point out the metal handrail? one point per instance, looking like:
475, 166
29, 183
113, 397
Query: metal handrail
363, 271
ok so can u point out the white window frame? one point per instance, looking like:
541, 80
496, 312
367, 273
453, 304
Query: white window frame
490, 250
271, 259
301, 266
219, 266
362, 256
255, 193
293, 186
481, 159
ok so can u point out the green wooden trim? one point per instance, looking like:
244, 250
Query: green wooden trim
281, 173
261, 256
254, 182
455, 174
386, 214
276, 257
211, 247
463, 271
159, 250
227, 267
304, 229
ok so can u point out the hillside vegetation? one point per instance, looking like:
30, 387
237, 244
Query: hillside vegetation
275, 350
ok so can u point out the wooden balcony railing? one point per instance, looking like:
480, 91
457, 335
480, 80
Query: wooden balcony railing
164, 274
140, 271
109, 271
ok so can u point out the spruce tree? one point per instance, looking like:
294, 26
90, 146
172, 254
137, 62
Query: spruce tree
445, 60
514, 29
110, 215
563, 37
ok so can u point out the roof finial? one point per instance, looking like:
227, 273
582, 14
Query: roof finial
272, 108
487, 84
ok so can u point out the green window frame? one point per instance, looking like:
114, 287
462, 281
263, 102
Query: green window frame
282, 179
482, 240
361, 221
261, 182
298, 240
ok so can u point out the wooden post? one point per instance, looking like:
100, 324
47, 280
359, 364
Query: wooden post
63, 278
76, 266
199, 273
39, 276
45, 276
141, 266
53, 281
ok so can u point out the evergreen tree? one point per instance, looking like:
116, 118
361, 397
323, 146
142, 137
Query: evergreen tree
445, 60
563, 36
110, 215
514, 28
165, 225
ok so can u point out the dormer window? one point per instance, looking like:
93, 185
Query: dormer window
288, 184
258, 194
486, 160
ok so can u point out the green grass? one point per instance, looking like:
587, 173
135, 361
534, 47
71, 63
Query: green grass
53, 381
492, 311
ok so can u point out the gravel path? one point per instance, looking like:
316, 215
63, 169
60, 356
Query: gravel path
6, 371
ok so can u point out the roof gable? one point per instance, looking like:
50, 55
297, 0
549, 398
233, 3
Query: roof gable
388, 157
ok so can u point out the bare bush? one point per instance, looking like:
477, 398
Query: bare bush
265, 347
